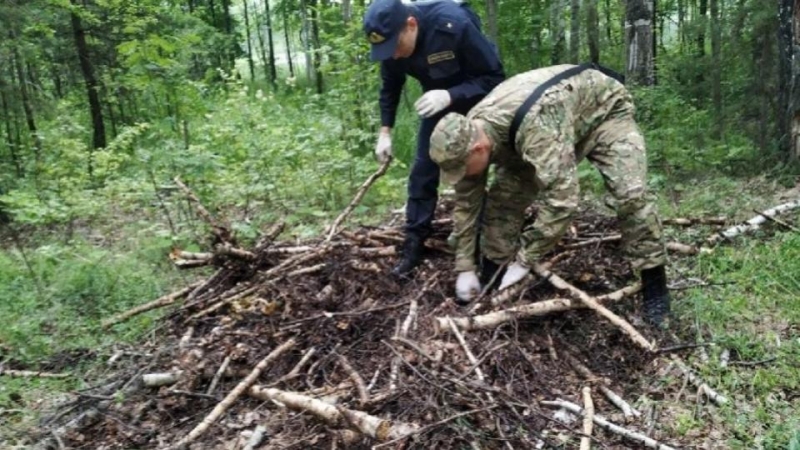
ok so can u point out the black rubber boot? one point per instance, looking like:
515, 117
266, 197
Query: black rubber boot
411, 257
656, 296
488, 269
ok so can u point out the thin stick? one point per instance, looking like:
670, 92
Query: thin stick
592, 303
217, 376
589, 242
612, 396
697, 381
354, 376
601, 421
470, 357
685, 222
357, 199
306, 270
31, 374
158, 303
588, 419
234, 394
238, 253
222, 303
434, 425
219, 230
778, 221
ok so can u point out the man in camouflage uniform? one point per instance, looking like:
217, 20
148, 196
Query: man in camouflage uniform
586, 115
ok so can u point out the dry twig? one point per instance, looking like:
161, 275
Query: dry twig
588, 419
357, 199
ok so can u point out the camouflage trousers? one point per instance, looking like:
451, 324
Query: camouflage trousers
616, 148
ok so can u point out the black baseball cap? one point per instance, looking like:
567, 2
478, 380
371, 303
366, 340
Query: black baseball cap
383, 22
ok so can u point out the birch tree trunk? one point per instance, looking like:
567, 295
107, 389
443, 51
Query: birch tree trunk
639, 42
575, 31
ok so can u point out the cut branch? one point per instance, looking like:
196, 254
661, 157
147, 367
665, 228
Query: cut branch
601, 421
31, 374
357, 199
588, 419
226, 403
687, 222
361, 387
587, 374
592, 303
158, 303
220, 231
716, 397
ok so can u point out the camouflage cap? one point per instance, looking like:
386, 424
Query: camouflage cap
450, 146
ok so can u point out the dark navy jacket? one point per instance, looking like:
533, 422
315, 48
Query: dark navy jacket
451, 53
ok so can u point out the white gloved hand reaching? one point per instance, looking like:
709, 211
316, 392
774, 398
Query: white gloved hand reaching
383, 149
432, 102
514, 274
467, 286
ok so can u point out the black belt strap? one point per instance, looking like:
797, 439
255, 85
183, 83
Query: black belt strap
537, 93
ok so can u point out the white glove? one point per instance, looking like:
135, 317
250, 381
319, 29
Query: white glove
514, 273
467, 286
432, 102
383, 149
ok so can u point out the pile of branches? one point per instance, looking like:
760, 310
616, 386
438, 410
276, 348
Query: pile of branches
314, 345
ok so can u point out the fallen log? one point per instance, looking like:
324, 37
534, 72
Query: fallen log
753, 223
369, 425
497, 318
233, 395
158, 303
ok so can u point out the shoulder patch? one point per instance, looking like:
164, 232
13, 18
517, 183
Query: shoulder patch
438, 57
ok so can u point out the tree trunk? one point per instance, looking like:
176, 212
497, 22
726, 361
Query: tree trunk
92, 86
639, 42
317, 54
593, 31
681, 24
273, 74
305, 37
288, 47
701, 28
491, 19
262, 46
12, 148
537, 59
790, 27
575, 31
231, 45
26, 102
249, 42
558, 43
716, 69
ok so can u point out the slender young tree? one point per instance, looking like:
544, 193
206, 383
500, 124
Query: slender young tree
273, 74
286, 31
557, 38
92, 85
249, 41
593, 31
716, 69
575, 31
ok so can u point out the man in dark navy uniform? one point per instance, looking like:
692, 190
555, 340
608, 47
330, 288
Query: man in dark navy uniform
439, 43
